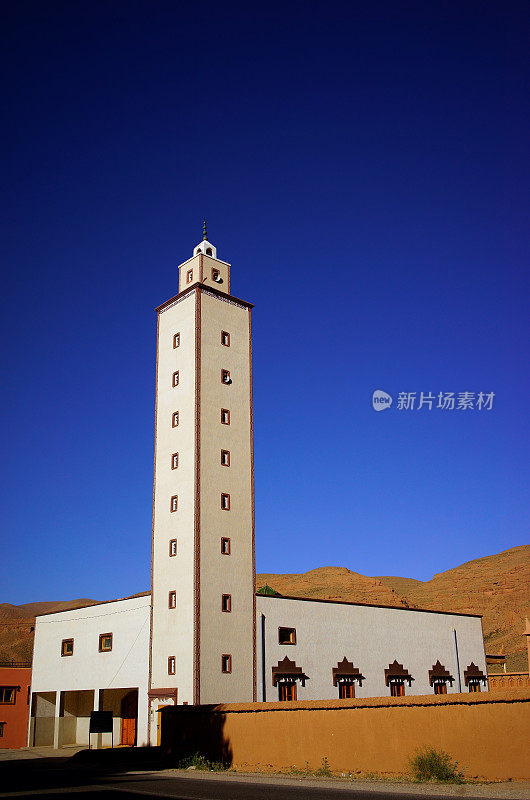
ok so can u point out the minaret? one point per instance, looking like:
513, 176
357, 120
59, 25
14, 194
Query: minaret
203, 647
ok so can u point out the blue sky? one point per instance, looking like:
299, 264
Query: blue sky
364, 167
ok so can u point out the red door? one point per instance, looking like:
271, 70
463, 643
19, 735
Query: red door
129, 714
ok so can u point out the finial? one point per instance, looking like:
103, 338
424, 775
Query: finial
204, 234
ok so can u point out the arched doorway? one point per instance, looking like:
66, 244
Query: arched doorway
129, 716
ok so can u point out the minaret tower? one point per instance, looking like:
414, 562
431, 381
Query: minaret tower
203, 638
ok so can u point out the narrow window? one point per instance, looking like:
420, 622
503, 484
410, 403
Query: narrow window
226, 663
440, 688
225, 458
2, 730
105, 642
286, 635
215, 272
176, 378
226, 602
286, 691
225, 546
175, 419
67, 647
225, 502
189, 276
225, 338
176, 341
174, 461
172, 602
397, 689
346, 691
174, 502
7, 695
171, 665
225, 416
225, 376
474, 686
172, 547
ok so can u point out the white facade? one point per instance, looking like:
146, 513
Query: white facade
370, 637
206, 637
67, 687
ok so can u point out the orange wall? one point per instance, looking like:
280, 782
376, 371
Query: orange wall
487, 734
508, 680
15, 716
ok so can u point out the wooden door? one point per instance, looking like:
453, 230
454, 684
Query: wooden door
129, 715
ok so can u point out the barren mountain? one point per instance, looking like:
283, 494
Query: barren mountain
496, 587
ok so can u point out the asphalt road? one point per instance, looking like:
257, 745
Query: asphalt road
49, 778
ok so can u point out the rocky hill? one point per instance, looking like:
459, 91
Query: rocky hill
498, 587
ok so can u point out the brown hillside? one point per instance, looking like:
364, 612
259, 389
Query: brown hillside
496, 587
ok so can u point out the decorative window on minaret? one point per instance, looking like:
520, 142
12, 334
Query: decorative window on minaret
174, 461
189, 276
176, 378
225, 416
175, 419
226, 663
226, 602
225, 338
176, 341
174, 502
225, 502
225, 546
225, 376
172, 600
225, 458
172, 547
171, 665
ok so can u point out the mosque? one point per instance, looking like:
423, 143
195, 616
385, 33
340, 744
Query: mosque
202, 634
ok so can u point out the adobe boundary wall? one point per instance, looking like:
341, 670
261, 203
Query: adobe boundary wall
486, 733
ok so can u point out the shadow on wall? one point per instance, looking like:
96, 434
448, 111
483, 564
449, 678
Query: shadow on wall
187, 730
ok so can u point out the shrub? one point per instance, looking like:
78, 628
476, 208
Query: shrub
429, 764
199, 761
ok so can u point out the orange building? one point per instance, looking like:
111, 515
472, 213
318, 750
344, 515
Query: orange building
15, 689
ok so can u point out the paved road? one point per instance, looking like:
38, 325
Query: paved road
50, 778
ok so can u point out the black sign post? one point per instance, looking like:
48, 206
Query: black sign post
101, 722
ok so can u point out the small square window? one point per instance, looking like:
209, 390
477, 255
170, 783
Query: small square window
176, 341
189, 276
7, 695
226, 663
225, 546
67, 647
175, 419
176, 378
172, 547
226, 602
171, 665
286, 635
174, 461
174, 502
105, 642
225, 416
225, 502
225, 376
172, 600
225, 338
225, 458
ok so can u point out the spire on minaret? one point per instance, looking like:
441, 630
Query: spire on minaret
205, 247
204, 234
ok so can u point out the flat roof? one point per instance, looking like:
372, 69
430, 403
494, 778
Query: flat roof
366, 605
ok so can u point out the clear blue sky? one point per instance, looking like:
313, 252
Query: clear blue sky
364, 167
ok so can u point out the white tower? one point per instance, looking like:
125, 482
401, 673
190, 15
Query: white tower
203, 638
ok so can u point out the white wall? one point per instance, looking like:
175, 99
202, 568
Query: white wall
125, 666
371, 637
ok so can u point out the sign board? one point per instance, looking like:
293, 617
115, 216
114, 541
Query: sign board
101, 722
